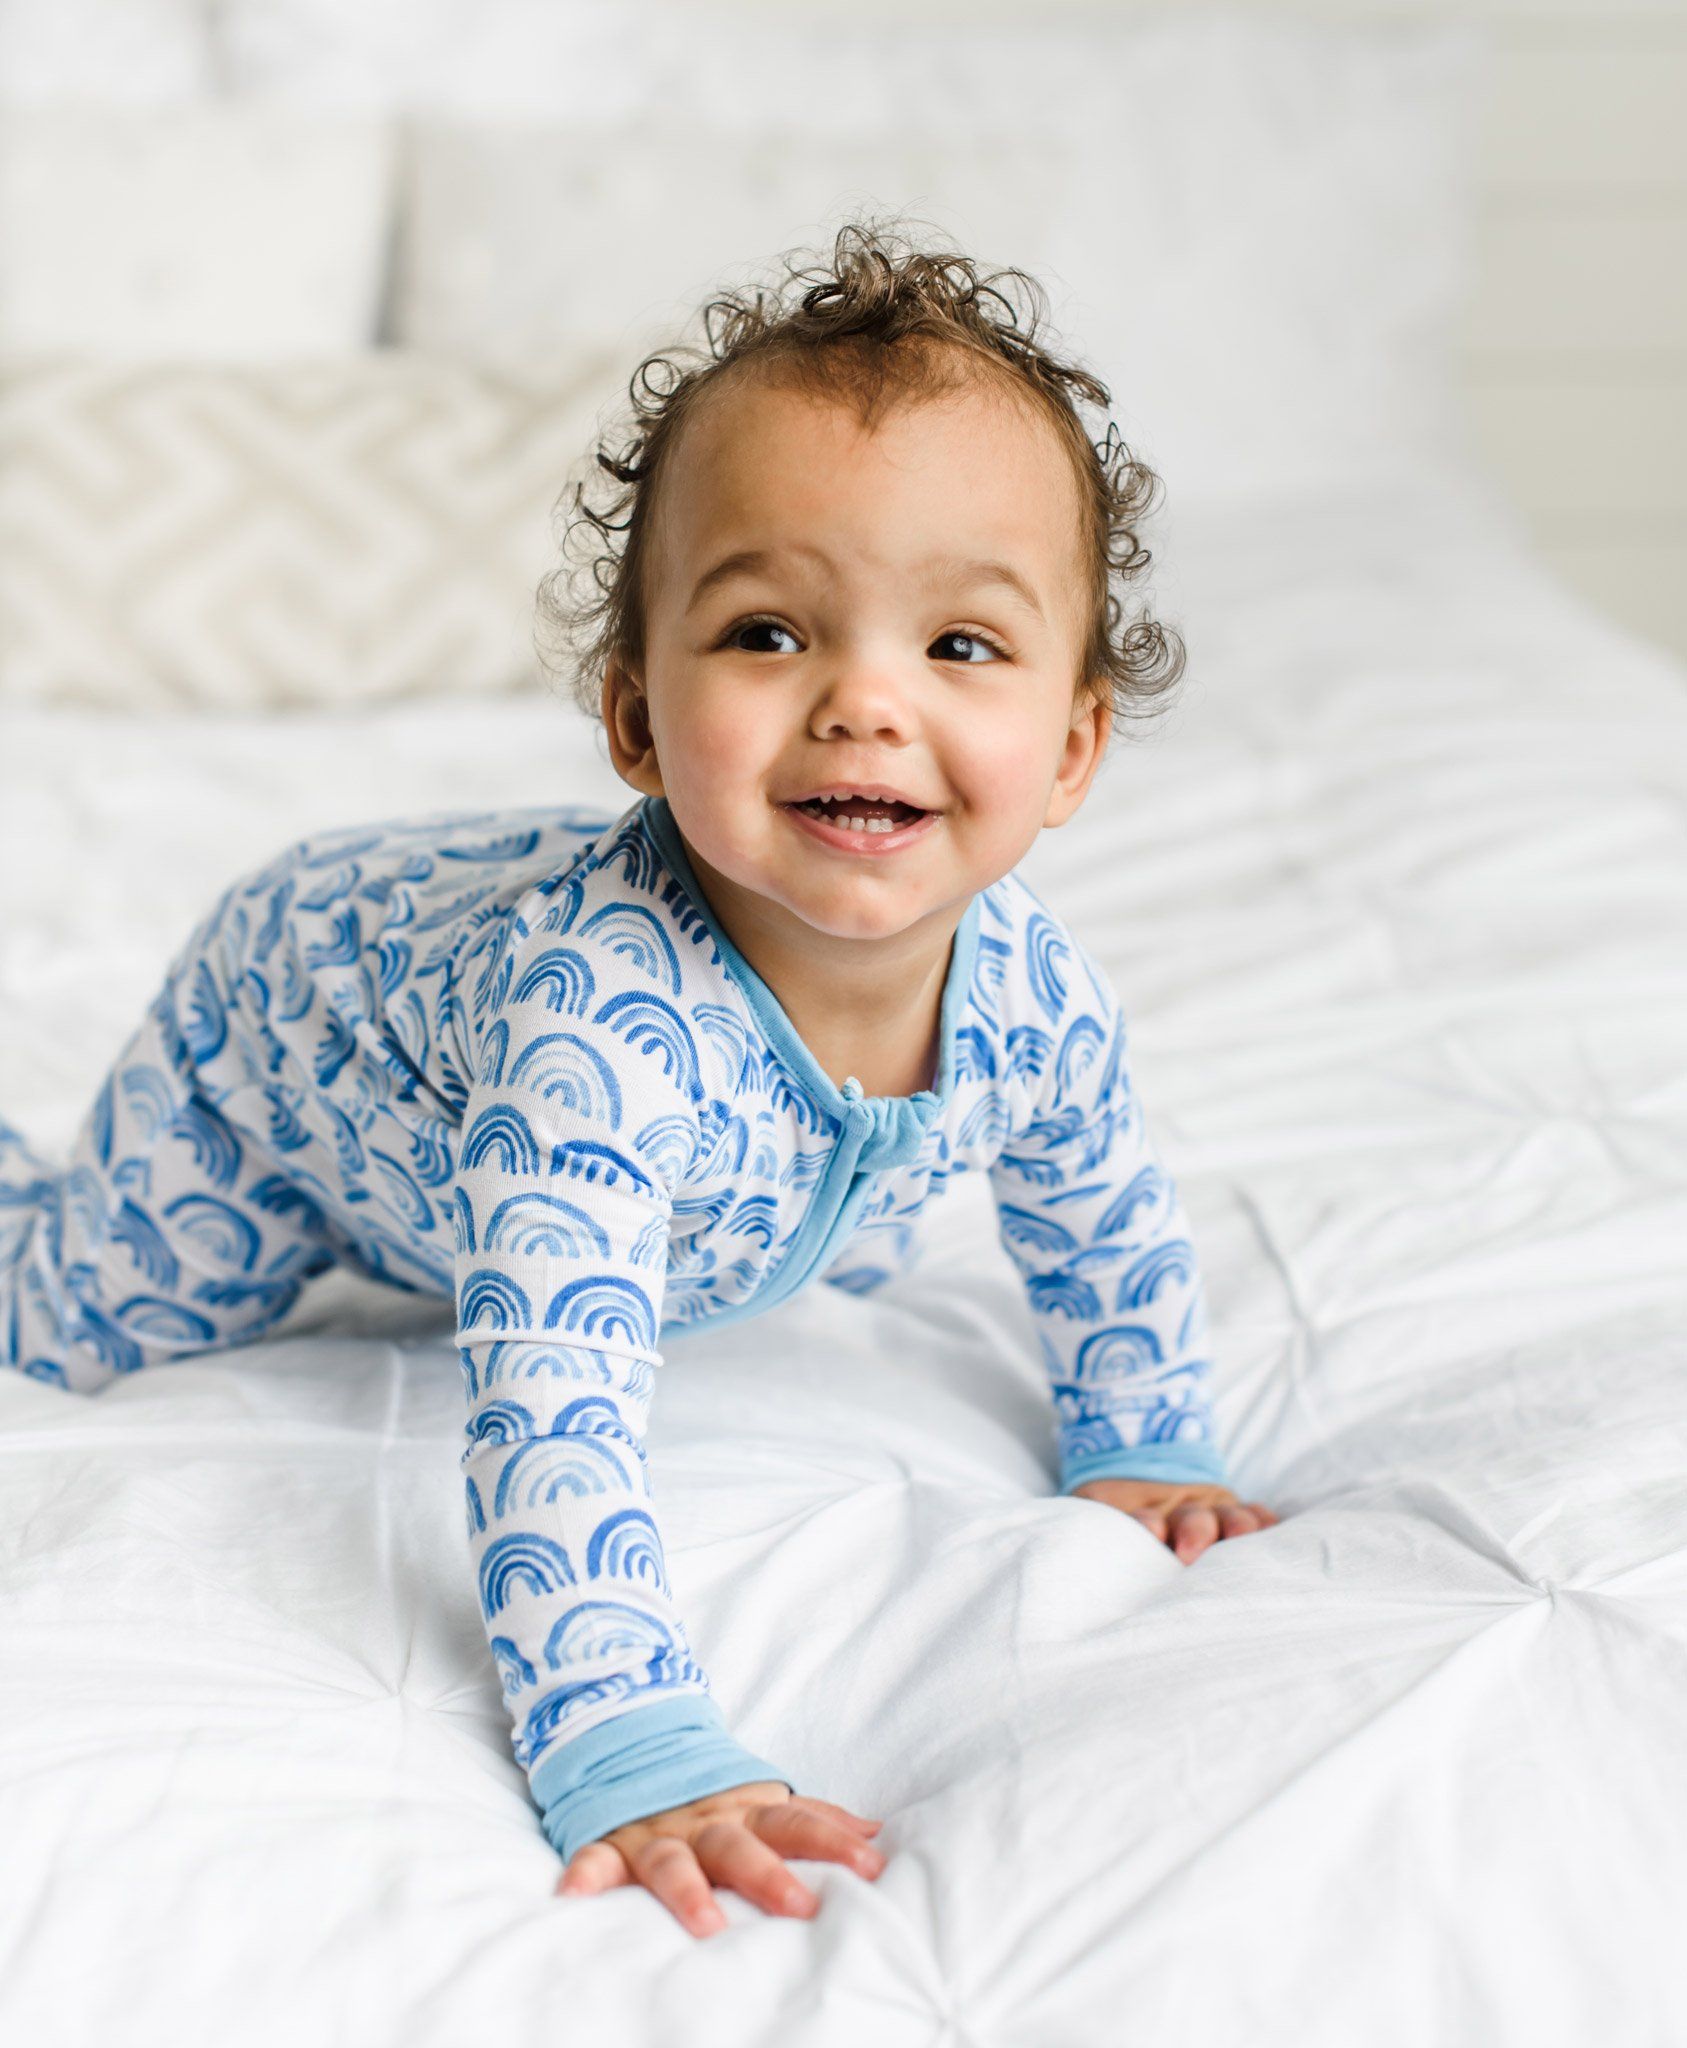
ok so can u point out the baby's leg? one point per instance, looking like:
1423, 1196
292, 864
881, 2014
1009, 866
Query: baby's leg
165, 1235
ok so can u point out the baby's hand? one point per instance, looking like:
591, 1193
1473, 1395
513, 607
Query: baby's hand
732, 1837
1187, 1517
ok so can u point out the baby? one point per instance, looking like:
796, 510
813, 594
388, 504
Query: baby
604, 1079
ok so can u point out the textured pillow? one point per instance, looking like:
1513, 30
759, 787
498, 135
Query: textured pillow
330, 533
1255, 229
223, 233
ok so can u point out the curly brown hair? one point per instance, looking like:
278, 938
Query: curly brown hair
887, 321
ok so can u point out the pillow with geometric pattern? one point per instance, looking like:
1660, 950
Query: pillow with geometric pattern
347, 531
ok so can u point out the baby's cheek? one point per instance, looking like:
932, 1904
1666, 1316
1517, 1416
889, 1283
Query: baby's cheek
1002, 792
719, 771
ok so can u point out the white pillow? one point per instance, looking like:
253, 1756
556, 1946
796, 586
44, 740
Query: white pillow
223, 232
1256, 230
342, 532
131, 51
550, 58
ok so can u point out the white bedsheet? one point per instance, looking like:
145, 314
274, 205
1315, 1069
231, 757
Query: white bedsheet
1396, 901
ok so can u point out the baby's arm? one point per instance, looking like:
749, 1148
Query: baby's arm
1092, 1219
575, 1135
562, 1248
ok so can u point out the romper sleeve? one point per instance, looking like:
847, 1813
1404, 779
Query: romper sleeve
575, 1136
1088, 1213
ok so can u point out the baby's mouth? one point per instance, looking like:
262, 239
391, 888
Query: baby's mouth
861, 813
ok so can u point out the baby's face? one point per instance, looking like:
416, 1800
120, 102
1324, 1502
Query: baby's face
821, 614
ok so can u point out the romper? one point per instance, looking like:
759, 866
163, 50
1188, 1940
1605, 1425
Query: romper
511, 1059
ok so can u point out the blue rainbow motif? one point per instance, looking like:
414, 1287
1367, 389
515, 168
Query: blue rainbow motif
1121, 1350
1079, 1051
514, 1671
975, 1054
338, 882
1033, 1230
599, 1165
1065, 1294
594, 1415
214, 1147
501, 1422
1046, 947
494, 1051
501, 1136
521, 1561
669, 1144
493, 1298
536, 1225
1170, 1265
343, 948
633, 933
1143, 1191
432, 1158
150, 1315
220, 1228
205, 1028
729, 1033
265, 937
562, 978
655, 1029
604, 1307
414, 1206
546, 1469
508, 848
147, 1098
626, 1545
146, 1244
605, 1632
566, 1067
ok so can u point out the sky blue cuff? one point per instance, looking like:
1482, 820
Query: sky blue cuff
1200, 1464
663, 1753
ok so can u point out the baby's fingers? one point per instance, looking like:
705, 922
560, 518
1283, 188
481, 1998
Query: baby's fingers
668, 1867
733, 1856
841, 1814
1197, 1526
794, 1829
594, 1867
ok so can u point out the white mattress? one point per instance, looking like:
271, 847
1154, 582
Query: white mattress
1396, 900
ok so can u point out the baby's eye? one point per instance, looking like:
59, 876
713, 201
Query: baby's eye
972, 642
734, 634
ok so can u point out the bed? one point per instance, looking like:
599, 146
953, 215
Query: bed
1395, 899
1397, 902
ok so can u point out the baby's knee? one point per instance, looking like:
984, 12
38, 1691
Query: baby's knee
83, 1379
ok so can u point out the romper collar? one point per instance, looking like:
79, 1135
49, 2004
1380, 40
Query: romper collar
893, 1127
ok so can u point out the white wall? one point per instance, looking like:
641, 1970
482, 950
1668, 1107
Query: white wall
1574, 347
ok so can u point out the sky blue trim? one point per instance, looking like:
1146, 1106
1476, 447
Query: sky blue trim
659, 1754
1192, 1462
781, 1033
875, 1131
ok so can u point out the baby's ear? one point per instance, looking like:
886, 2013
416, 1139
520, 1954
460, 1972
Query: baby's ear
1086, 743
626, 721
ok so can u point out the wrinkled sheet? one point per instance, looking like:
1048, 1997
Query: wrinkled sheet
1396, 901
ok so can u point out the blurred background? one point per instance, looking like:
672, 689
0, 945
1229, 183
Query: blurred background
307, 307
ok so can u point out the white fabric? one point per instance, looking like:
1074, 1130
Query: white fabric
115, 52
1397, 899
1256, 229
211, 232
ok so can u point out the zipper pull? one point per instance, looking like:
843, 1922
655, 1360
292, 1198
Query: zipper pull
852, 1089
